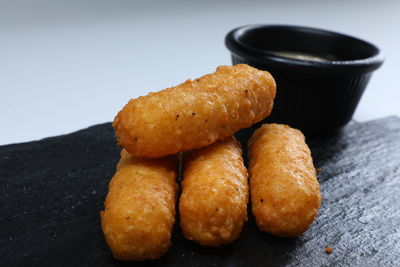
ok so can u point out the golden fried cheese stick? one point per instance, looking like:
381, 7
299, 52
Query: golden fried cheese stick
213, 204
140, 207
284, 189
195, 113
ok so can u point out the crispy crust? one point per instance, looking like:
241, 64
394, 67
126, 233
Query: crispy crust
284, 189
195, 113
213, 204
140, 207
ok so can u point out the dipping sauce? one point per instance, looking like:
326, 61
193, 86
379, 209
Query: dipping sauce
300, 56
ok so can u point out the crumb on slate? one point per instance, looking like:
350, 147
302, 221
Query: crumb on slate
328, 250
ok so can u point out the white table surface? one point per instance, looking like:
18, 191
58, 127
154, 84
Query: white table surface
66, 65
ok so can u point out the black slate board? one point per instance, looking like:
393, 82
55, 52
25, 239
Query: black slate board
52, 191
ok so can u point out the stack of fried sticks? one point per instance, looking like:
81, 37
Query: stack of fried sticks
199, 117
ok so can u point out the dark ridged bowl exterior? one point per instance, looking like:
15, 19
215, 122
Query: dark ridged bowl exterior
316, 102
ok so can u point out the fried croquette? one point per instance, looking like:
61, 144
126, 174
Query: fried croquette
284, 190
195, 113
213, 204
140, 207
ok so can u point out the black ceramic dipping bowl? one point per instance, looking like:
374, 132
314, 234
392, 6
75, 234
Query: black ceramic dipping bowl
320, 75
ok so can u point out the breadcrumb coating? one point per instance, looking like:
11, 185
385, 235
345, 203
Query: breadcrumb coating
284, 190
140, 207
195, 113
213, 204
328, 250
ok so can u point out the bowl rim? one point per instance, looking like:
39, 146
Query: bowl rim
245, 51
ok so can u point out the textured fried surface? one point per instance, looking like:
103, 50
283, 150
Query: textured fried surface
195, 113
140, 207
213, 204
284, 189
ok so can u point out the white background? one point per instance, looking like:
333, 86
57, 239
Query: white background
66, 65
